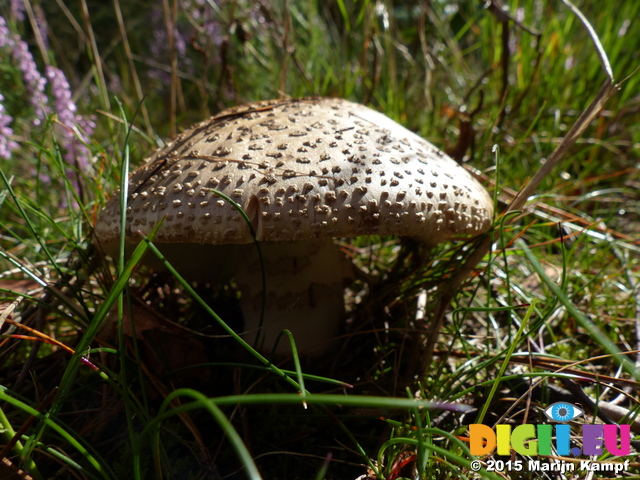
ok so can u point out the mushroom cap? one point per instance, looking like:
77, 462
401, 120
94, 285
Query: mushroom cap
300, 169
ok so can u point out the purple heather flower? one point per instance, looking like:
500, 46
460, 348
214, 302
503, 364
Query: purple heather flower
60, 88
76, 128
6, 145
202, 26
34, 82
5, 35
17, 9
204, 16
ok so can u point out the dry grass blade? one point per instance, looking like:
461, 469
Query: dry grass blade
567, 367
36, 31
605, 93
607, 90
96, 55
604, 60
560, 366
39, 336
9, 471
17, 287
132, 67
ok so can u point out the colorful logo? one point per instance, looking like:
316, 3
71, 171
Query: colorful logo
530, 440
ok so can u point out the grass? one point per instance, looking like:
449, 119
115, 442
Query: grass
548, 314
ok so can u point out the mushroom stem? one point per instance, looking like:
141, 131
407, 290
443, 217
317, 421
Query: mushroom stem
304, 294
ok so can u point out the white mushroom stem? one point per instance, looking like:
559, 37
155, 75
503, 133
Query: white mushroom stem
305, 283
304, 294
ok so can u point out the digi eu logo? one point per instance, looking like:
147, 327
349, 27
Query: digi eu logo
532, 440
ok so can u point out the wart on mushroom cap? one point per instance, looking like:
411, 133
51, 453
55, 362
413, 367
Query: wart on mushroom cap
304, 171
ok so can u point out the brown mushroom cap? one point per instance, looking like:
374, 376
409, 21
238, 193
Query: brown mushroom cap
304, 171
301, 169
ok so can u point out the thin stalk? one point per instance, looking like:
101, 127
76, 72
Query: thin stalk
9, 434
507, 358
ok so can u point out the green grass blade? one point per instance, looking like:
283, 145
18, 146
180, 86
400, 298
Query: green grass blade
598, 335
189, 289
49, 422
505, 363
203, 402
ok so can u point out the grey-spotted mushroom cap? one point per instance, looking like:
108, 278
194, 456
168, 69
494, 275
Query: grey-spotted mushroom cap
301, 169
304, 171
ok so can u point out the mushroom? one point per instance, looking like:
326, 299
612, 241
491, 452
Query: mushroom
304, 171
